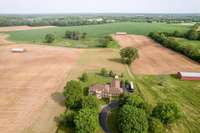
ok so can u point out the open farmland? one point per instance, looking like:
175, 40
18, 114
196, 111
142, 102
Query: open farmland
155, 59
93, 32
186, 93
29, 82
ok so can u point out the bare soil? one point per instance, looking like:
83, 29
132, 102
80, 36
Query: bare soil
29, 85
16, 28
155, 59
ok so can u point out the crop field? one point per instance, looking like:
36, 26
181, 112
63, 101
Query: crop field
185, 93
92, 60
155, 59
29, 82
186, 42
93, 32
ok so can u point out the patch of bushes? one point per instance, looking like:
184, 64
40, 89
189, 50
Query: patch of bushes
49, 38
75, 35
106, 41
167, 112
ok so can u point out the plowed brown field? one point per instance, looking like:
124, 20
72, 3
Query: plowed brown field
27, 83
155, 59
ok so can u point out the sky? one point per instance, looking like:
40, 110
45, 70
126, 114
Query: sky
99, 6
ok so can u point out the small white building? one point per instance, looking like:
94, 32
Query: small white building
121, 33
17, 50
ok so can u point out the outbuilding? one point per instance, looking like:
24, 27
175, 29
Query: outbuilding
189, 75
18, 50
121, 33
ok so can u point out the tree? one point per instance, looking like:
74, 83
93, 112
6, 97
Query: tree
67, 119
73, 93
104, 41
104, 72
90, 102
132, 120
167, 112
49, 38
84, 77
86, 121
83, 36
68, 34
128, 55
111, 74
133, 100
155, 125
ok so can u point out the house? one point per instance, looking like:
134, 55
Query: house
189, 75
106, 90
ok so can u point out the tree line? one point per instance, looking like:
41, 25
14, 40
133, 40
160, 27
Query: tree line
164, 39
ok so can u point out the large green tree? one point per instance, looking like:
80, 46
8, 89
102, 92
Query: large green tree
128, 55
132, 120
90, 102
167, 112
86, 121
133, 100
73, 93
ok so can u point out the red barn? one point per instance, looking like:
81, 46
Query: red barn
189, 75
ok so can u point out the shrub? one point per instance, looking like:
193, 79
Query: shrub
104, 72
132, 120
105, 41
84, 77
155, 125
167, 112
86, 121
49, 38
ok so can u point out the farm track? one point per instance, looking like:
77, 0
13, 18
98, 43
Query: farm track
155, 59
17, 28
31, 86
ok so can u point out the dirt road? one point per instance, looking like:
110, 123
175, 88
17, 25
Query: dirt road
16, 28
155, 59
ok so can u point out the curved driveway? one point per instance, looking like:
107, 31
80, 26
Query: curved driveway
104, 114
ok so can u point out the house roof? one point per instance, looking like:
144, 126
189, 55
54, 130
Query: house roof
190, 74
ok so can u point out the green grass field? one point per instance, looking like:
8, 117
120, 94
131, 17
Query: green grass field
93, 31
185, 42
185, 93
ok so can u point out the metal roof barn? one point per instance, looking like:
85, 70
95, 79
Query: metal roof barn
189, 75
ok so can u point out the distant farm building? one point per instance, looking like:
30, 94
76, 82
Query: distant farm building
189, 75
106, 90
18, 50
121, 33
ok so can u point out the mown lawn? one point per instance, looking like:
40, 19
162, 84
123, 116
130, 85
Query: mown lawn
93, 32
185, 93
186, 42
